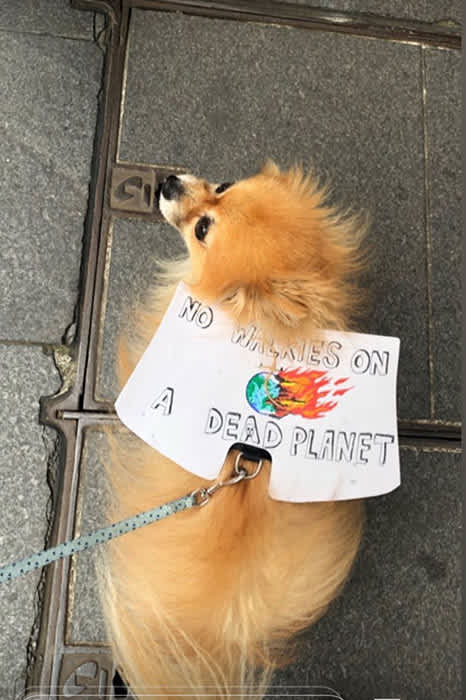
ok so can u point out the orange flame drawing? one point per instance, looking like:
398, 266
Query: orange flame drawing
308, 393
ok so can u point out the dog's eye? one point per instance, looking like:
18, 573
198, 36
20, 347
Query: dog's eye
201, 228
224, 186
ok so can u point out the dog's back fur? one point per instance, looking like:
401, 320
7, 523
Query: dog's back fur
207, 600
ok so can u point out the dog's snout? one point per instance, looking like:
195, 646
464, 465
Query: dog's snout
172, 187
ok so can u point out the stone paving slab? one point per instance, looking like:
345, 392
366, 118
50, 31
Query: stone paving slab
25, 374
395, 630
293, 95
135, 248
443, 103
54, 17
424, 10
47, 123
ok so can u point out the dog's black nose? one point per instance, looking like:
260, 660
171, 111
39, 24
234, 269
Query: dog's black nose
172, 187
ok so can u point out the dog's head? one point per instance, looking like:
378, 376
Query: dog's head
268, 249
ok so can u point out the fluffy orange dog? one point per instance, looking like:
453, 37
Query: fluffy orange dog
206, 601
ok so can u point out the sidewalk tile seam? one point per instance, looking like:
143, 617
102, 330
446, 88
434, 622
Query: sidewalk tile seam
49, 35
427, 228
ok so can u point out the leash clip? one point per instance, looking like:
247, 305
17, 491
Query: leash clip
203, 495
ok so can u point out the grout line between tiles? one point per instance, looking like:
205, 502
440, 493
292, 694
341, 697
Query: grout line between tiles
48, 35
124, 82
370, 25
103, 307
428, 234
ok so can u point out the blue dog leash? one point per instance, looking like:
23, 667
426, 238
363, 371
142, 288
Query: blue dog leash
199, 497
36, 561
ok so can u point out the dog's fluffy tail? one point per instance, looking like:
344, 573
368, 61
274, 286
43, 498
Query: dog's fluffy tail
202, 604
167, 662
178, 623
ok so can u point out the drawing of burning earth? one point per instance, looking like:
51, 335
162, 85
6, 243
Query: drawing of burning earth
306, 393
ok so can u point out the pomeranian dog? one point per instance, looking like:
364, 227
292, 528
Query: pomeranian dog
206, 602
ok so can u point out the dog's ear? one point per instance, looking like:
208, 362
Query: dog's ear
281, 302
270, 169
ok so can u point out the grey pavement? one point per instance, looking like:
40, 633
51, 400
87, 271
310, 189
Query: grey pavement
50, 77
379, 120
396, 631
48, 17
442, 70
132, 243
25, 457
47, 122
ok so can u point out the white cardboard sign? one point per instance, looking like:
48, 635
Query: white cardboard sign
325, 410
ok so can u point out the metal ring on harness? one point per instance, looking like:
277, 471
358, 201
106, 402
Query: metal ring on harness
203, 494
